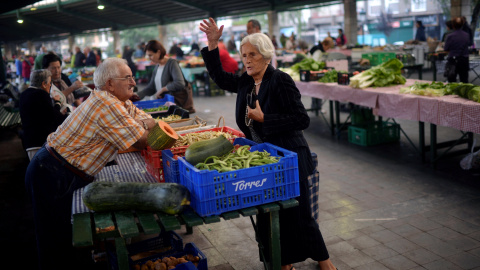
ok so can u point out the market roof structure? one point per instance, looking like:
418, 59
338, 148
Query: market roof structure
69, 17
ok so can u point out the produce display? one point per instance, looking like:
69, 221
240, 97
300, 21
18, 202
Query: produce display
240, 158
169, 118
167, 263
169, 198
329, 77
386, 74
308, 64
190, 138
438, 89
159, 108
203, 150
161, 136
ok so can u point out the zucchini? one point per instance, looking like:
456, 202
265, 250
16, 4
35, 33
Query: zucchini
170, 198
197, 152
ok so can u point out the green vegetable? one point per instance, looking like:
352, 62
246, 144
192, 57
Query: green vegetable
434, 89
170, 198
329, 76
239, 159
199, 151
159, 108
387, 73
308, 64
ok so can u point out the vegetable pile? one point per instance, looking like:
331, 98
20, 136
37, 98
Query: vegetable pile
329, 77
159, 108
387, 73
190, 138
308, 64
437, 89
168, 262
239, 159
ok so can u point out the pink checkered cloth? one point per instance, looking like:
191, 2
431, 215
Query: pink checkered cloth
450, 111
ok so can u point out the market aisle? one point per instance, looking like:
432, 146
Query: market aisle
381, 208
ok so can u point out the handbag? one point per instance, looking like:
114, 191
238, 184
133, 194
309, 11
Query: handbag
450, 70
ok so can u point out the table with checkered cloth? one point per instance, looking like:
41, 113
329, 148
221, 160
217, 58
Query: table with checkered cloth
450, 111
130, 168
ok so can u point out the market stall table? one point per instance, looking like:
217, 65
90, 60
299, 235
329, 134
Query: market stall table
450, 111
89, 227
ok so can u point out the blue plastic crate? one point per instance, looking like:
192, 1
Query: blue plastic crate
213, 193
170, 165
149, 104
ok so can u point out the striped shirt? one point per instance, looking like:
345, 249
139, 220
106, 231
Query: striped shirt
96, 130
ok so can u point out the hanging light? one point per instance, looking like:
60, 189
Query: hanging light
19, 18
100, 5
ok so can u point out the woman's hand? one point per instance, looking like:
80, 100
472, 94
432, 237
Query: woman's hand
213, 32
256, 114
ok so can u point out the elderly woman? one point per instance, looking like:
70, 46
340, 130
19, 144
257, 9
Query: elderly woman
167, 78
40, 116
278, 117
81, 146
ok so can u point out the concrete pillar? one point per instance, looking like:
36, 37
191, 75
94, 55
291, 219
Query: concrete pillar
162, 35
116, 42
350, 21
9, 51
31, 47
71, 42
273, 28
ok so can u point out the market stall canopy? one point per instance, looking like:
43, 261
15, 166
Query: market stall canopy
70, 17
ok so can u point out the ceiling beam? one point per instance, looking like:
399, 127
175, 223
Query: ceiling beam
103, 23
48, 24
161, 19
210, 10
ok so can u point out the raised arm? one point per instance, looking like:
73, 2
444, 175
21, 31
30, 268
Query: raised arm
212, 31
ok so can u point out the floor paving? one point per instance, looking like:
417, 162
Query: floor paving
381, 207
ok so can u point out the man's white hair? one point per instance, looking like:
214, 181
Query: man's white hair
262, 42
109, 68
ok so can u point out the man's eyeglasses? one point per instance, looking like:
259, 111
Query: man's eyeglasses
128, 78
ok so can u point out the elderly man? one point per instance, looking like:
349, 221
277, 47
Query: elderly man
40, 116
253, 26
87, 140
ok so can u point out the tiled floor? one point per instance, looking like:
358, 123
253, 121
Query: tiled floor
380, 206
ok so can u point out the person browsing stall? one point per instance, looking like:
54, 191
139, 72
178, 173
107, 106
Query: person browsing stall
167, 78
62, 88
81, 146
277, 117
253, 26
40, 116
457, 44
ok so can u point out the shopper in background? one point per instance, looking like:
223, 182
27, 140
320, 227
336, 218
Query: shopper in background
18, 67
167, 78
39, 57
466, 27
341, 39
449, 25
420, 35
80, 147
283, 40
279, 118
139, 52
457, 46
253, 26
62, 88
290, 45
40, 116
79, 58
128, 55
91, 60
27, 65
231, 46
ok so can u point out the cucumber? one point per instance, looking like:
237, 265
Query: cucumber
199, 151
170, 198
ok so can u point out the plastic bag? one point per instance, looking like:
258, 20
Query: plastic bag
472, 160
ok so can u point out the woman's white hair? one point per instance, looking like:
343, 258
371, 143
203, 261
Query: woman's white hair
109, 68
262, 42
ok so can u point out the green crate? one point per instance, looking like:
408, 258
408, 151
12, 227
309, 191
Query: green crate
373, 134
213, 90
377, 58
362, 116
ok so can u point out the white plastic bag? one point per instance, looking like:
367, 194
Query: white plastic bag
472, 160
